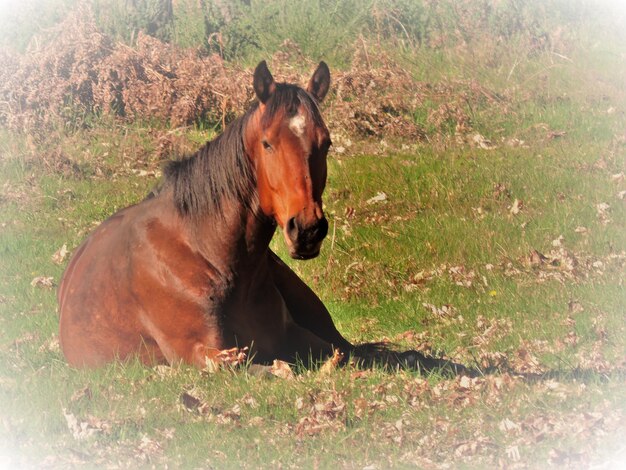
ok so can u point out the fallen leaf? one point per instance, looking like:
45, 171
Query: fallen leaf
81, 430
603, 212
51, 345
282, 370
516, 207
59, 256
555, 134
571, 338
514, 142
506, 425
360, 374
512, 453
558, 241
443, 311
380, 197
465, 382
331, 364
232, 357
527, 362
226, 358
149, 446
256, 421
482, 142
250, 401
43, 281
574, 306
536, 258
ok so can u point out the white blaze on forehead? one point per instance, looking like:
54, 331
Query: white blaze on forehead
297, 124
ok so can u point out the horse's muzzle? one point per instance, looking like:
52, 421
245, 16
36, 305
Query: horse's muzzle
306, 241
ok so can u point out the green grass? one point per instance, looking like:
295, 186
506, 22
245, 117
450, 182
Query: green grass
429, 219
444, 236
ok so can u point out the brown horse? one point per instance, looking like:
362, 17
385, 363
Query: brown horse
188, 272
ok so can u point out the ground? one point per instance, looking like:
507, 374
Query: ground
476, 212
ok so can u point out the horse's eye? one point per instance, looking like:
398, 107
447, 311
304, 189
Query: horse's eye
266, 145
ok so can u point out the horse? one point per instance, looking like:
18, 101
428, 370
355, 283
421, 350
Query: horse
188, 273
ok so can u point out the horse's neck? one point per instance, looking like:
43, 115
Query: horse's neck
237, 239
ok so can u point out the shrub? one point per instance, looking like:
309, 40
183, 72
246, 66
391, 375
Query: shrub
123, 20
320, 28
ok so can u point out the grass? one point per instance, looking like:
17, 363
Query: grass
446, 235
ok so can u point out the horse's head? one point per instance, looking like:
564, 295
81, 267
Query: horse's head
288, 142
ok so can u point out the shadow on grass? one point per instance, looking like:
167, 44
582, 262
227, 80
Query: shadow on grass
385, 356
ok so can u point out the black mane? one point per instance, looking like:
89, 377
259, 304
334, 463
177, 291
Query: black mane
221, 170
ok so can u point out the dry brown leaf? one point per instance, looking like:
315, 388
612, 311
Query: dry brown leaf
282, 370
149, 446
256, 421
59, 256
516, 207
482, 142
465, 382
232, 357
250, 401
536, 258
556, 134
527, 362
43, 281
83, 429
299, 403
558, 241
443, 311
331, 363
603, 210
380, 197
506, 425
512, 452
225, 358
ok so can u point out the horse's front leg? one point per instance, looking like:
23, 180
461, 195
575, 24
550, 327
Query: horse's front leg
301, 345
304, 306
187, 338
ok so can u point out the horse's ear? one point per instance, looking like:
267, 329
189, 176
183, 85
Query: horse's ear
320, 82
263, 82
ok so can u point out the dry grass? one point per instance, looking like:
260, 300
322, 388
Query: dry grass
74, 71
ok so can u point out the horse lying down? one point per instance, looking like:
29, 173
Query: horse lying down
188, 273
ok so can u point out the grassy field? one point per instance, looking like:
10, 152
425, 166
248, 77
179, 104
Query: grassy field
503, 247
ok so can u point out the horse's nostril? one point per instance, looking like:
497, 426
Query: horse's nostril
304, 236
315, 233
292, 229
